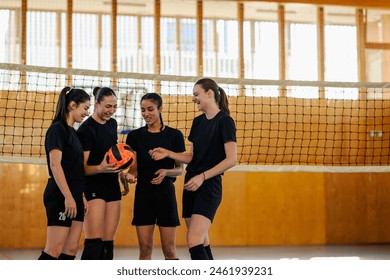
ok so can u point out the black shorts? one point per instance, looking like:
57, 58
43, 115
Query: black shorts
54, 202
155, 205
106, 192
56, 217
205, 200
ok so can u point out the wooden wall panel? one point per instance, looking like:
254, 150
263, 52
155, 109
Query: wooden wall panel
285, 208
258, 208
23, 219
357, 207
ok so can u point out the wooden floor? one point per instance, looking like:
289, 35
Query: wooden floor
353, 252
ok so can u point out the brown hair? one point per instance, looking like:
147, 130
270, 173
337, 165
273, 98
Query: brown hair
66, 96
219, 94
156, 99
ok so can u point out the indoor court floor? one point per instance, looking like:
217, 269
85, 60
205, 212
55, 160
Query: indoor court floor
351, 252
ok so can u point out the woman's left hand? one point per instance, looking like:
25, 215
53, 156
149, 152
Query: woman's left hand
194, 183
159, 176
159, 153
125, 179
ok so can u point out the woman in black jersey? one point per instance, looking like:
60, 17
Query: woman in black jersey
213, 151
63, 198
155, 198
97, 134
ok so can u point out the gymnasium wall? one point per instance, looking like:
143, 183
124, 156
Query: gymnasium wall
258, 208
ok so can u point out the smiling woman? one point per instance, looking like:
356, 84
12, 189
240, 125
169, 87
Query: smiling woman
97, 135
213, 151
155, 195
63, 196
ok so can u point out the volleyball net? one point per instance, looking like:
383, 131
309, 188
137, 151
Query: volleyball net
281, 125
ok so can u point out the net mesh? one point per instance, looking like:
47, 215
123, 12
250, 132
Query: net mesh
280, 124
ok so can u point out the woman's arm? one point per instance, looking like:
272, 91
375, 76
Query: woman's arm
176, 171
231, 159
227, 163
160, 153
59, 176
103, 167
162, 173
132, 173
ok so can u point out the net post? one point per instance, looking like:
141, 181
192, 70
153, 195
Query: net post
282, 91
241, 90
363, 94
321, 92
199, 36
23, 57
361, 44
69, 35
114, 65
157, 86
157, 34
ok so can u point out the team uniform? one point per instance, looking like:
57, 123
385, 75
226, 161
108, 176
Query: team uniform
97, 139
155, 204
208, 138
64, 138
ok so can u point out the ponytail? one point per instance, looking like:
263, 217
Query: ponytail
223, 101
61, 113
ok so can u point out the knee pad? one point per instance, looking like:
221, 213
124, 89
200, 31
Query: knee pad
45, 256
107, 250
66, 257
92, 249
198, 253
208, 252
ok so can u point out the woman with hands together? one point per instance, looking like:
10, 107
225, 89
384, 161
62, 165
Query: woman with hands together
155, 196
97, 134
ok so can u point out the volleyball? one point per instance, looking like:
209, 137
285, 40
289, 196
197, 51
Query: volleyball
122, 155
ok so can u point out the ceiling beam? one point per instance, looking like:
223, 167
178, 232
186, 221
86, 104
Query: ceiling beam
379, 4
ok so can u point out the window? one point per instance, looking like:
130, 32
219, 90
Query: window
127, 39
341, 59
9, 43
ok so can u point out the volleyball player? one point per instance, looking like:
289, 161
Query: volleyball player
97, 134
62, 197
155, 198
213, 151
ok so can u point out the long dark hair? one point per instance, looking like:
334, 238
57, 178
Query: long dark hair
66, 96
100, 92
156, 99
219, 94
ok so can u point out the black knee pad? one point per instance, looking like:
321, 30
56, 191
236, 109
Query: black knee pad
45, 256
208, 252
66, 257
107, 250
198, 253
92, 249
